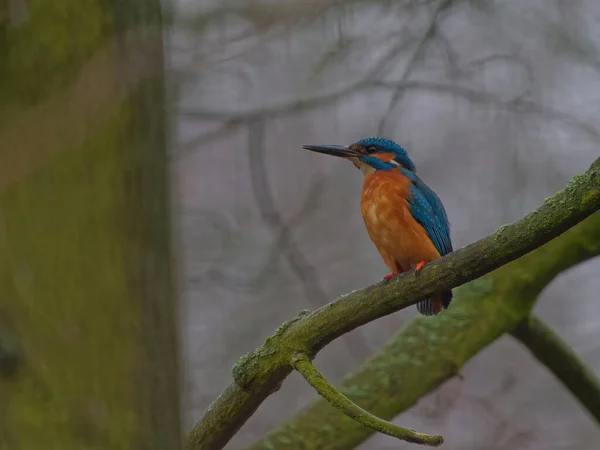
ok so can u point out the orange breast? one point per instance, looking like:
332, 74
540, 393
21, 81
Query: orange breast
400, 239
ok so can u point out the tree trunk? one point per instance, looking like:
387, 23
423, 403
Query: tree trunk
88, 343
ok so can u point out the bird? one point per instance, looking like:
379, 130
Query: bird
404, 217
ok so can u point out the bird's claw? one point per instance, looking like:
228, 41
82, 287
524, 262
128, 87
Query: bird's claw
418, 267
389, 276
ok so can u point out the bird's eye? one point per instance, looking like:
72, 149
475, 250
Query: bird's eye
372, 149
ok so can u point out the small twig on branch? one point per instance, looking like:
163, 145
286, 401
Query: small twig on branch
302, 364
555, 354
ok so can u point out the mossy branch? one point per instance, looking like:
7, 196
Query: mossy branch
260, 373
302, 364
430, 350
557, 356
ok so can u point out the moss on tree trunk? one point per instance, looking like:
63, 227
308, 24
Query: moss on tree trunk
88, 347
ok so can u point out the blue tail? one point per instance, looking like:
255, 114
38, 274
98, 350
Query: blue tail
435, 304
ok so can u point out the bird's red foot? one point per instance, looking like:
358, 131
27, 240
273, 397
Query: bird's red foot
419, 266
391, 275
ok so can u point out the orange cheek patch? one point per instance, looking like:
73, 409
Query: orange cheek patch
385, 157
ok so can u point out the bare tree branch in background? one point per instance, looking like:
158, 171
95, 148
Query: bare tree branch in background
269, 268
517, 105
270, 21
389, 57
430, 34
227, 236
283, 16
258, 281
556, 355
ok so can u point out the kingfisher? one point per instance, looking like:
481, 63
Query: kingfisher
404, 217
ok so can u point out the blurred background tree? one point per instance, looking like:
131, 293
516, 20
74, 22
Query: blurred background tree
88, 343
495, 102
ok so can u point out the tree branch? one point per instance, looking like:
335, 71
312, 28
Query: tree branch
302, 364
517, 104
260, 373
429, 351
429, 34
555, 354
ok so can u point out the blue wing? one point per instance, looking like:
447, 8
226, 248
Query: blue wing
427, 209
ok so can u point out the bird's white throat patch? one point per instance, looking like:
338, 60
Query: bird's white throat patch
367, 169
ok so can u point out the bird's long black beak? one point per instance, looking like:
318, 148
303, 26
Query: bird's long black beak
333, 150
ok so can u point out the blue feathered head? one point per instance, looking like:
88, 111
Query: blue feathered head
376, 152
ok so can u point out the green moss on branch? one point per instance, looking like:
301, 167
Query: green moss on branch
303, 365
